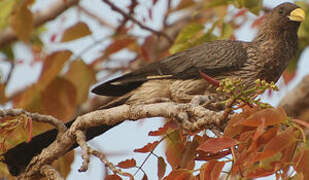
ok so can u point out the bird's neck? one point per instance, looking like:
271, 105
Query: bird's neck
276, 49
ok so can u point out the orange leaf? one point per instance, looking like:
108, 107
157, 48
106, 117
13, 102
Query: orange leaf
214, 145
148, 148
277, 144
22, 21
301, 163
113, 177
145, 177
211, 170
59, 99
63, 163
118, 45
162, 130
52, 66
129, 163
179, 174
174, 150
271, 116
288, 76
82, 76
161, 167
210, 156
78, 30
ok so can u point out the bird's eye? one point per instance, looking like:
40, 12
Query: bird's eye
281, 11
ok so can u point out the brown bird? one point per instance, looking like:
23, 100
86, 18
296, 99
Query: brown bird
177, 78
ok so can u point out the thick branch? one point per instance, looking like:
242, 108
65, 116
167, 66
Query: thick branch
199, 118
51, 12
296, 101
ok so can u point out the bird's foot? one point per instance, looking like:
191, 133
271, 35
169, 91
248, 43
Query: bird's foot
157, 100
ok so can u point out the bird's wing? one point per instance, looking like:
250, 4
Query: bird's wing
212, 58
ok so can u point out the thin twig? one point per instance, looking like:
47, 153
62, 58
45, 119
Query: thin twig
125, 15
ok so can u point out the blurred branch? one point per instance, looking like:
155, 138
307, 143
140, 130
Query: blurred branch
94, 16
296, 102
189, 116
127, 16
52, 11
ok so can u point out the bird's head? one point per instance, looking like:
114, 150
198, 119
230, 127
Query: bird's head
286, 16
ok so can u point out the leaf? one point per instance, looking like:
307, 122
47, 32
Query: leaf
277, 144
253, 6
211, 170
22, 21
113, 177
174, 150
301, 163
271, 116
148, 148
186, 35
117, 45
82, 76
52, 66
161, 167
59, 99
179, 174
129, 163
6, 7
162, 130
76, 31
214, 145
145, 177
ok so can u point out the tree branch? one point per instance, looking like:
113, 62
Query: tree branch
199, 118
51, 12
127, 16
296, 102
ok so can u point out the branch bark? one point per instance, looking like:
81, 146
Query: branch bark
51, 12
296, 102
199, 118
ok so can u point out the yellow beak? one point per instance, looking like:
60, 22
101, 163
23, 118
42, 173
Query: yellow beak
297, 15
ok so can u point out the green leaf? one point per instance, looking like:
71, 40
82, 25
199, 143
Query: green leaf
186, 37
253, 6
6, 7
76, 31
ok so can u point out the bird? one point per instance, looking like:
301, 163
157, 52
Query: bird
177, 78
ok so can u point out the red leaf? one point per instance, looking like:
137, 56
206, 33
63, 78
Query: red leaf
129, 163
112, 177
162, 130
215, 145
257, 22
301, 163
117, 45
277, 144
148, 148
288, 76
180, 174
210, 156
30, 128
145, 177
271, 116
211, 170
161, 167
